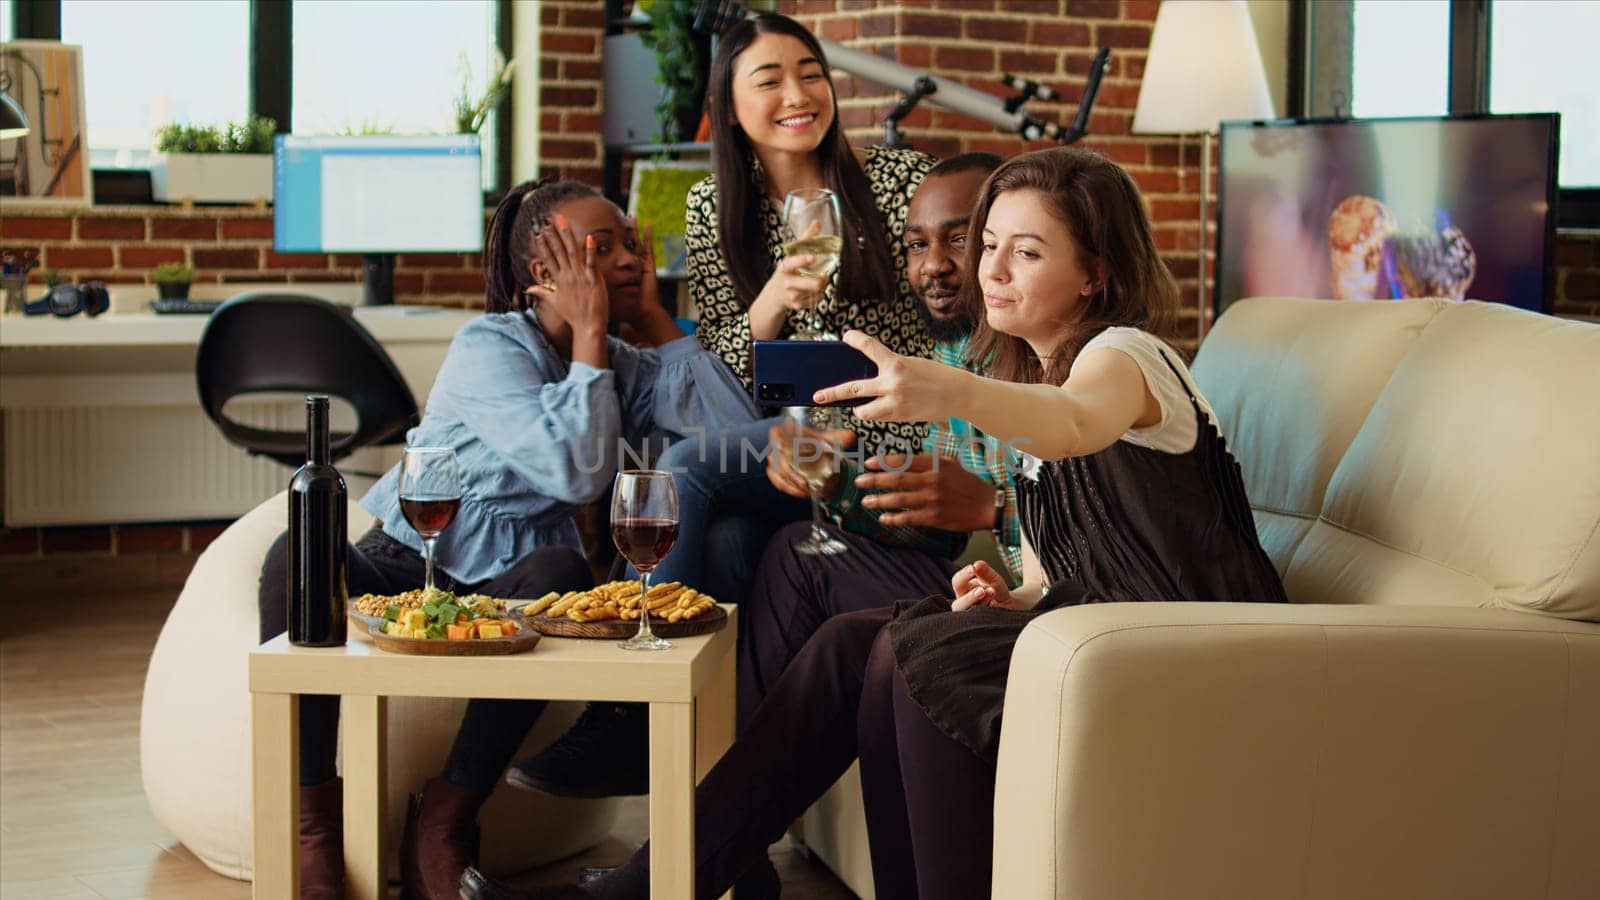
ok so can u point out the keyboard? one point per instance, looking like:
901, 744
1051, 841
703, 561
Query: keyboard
185, 307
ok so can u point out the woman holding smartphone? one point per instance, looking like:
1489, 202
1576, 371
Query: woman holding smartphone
1128, 494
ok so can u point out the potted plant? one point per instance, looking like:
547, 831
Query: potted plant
679, 71
172, 280
471, 112
208, 164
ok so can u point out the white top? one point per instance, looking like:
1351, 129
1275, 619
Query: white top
1178, 430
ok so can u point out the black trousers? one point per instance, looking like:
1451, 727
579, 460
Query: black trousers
929, 800
491, 730
793, 595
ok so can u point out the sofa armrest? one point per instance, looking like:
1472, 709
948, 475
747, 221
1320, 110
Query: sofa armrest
1229, 750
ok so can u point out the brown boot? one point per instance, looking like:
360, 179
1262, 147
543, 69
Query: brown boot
322, 841
441, 840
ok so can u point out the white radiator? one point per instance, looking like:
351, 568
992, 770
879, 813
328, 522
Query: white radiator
73, 465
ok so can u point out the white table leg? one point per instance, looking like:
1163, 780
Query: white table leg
672, 800
714, 716
364, 720
275, 768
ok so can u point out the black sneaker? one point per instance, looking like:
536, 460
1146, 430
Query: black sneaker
602, 755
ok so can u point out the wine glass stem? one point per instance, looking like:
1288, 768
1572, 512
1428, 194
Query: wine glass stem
427, 563
644, 606
816, 514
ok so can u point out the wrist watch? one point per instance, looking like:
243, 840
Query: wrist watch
999, 524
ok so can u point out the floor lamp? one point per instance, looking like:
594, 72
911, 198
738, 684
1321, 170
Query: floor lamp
1204, 66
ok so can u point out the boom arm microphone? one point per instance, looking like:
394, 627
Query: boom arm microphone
717, 15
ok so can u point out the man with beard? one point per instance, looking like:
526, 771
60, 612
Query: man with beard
906, 518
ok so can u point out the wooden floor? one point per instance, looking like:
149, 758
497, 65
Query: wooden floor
73, 819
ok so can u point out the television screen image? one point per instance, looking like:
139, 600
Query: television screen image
1385, 209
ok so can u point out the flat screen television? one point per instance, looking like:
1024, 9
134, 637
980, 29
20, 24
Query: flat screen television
1376, 209
377, 195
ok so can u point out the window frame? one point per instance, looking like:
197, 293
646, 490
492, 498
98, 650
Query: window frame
271, 89
1468, 88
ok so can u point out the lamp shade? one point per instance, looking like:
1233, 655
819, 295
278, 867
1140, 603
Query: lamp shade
13, 124
1204, 66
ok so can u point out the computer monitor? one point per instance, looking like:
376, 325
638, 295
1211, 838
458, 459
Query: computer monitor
377, 195
1379, 209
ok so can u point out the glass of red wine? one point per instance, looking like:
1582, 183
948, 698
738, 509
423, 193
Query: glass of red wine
644, 526
430, 494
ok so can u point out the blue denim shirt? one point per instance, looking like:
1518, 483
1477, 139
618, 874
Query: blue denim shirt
535, 437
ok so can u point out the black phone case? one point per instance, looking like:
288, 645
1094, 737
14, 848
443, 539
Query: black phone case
787, 373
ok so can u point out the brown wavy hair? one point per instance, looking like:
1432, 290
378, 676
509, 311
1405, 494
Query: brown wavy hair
1102, 209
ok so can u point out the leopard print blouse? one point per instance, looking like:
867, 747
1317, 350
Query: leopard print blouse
724, 326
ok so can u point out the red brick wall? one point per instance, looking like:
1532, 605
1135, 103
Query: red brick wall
122, 244
571, 41
1577, 274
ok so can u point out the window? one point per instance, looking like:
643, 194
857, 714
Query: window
1376, 58
400, 78
8, 8
189, 65
1400, 63
1541, 59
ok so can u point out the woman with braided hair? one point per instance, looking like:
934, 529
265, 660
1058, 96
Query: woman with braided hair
536, 398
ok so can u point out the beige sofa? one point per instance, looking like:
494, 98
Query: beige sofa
1422, 721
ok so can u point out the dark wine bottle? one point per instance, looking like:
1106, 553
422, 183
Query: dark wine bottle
317, 592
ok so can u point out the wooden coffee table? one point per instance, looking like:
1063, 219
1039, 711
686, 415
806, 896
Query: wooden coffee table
690, 689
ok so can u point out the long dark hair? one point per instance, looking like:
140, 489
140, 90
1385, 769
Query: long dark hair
865, 268
1101, 207
508, 250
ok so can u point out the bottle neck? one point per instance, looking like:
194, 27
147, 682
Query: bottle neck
317, 430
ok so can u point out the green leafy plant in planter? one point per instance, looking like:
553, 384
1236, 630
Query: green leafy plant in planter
172, 280
253, 136
471, 112
679, 72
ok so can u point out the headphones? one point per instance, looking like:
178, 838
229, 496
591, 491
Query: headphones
66, 300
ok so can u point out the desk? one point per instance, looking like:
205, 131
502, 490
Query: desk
102, 420
690, 689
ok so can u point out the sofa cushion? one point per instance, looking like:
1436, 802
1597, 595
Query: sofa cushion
1291, 381
1475, 479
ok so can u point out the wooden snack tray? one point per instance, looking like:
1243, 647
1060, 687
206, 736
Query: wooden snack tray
621, 629
526, 638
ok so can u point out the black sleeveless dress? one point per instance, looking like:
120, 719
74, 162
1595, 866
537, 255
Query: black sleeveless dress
1122, 525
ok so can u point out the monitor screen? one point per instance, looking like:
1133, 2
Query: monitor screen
1388, 208
377, 194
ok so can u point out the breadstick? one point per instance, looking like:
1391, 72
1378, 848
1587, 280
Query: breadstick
561, 606
540, 605
687, 598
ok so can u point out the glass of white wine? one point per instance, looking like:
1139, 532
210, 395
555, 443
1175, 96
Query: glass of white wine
811, 225
817, 461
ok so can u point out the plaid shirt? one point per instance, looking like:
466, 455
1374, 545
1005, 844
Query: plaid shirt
962, 445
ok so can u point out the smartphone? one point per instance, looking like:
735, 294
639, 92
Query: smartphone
788, 373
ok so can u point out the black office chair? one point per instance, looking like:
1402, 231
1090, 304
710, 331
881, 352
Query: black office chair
275, 342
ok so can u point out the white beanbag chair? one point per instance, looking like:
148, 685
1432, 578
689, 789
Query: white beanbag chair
194, 729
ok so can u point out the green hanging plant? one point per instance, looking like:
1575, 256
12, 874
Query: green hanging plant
678, 69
